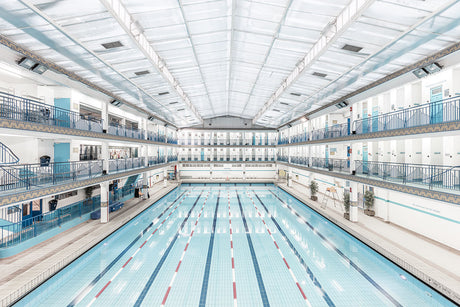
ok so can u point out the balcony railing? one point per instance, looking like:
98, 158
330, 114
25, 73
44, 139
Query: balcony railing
228, 142
129, 132
229, 159
331, 132
442, 111
433, 176
156, 137
15, 233
336, 165
28, 110
39, 175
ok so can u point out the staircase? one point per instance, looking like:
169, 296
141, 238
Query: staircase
7, 157
131, 181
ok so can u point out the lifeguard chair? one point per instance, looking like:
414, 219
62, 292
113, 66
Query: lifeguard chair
332, 193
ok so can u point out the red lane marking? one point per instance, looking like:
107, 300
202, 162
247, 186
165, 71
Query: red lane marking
233, 263
143, 244
166, 296
154, 231
127, 262
192, 233
234, 290
269, 231
186, 247
178, 265
286, 263
231, 244
301, 291
196, 223
276, 245
102, 290
230, 231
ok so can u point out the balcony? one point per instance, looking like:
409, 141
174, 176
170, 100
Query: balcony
227, 142
442, 111
431, 176
27, 110
129, 132
24, 177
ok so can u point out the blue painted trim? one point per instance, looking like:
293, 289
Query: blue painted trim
419, 210
207, 270
260, 282
333, 184
149, 283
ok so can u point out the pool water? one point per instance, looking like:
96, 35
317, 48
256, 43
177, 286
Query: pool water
232, 245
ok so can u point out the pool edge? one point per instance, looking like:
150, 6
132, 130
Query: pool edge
41, 278
430, 281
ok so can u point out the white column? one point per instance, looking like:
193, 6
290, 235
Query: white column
105, 157
105, 116
104, 202
165, 177
145, 185
354, 202
244, 171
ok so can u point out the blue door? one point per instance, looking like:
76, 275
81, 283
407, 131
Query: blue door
375, 119
327, 156
365, 160
365, 120
61, 113
61, 159
436, 105
202, 154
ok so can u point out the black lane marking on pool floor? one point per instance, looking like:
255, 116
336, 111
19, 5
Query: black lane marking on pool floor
204, 287
299, 257
88, 288
260, 282
163, 258
338, 251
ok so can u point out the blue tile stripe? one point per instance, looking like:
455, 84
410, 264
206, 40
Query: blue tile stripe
149, 283
260, 282
204, 287
299, 257
352, 264
91, 285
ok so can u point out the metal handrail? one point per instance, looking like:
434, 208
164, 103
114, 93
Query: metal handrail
7, 155
29, 228
438, 176
441, 111
24, 109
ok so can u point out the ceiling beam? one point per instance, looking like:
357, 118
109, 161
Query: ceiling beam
48, 19
398, 73
330, 34
194, 54
134, 31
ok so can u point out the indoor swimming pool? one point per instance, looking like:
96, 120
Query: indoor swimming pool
232, 245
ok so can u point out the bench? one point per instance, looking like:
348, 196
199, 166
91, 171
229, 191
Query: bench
96, 215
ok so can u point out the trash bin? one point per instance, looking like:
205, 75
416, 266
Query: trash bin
45, 161
52, 204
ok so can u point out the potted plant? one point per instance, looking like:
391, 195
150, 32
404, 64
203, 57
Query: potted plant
369, 203
346, 204
313, 190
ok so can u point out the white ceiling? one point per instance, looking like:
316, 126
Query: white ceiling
231, 57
